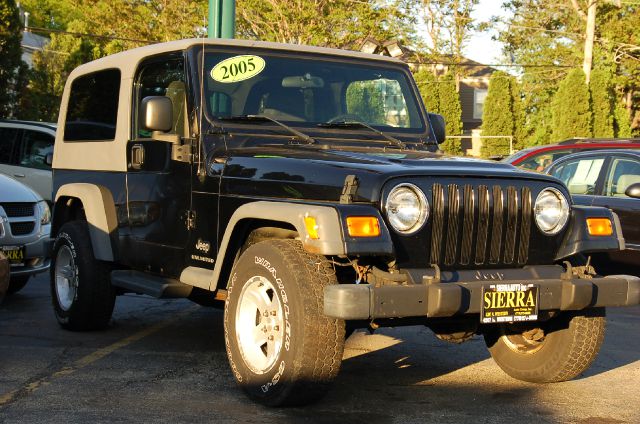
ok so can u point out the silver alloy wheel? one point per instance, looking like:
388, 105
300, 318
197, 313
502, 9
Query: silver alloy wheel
259, 324
66, 278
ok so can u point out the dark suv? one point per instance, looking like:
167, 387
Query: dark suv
304, 188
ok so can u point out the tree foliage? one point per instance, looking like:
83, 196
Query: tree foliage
12, 68
329, 23
429, 91
571, 107
499, 114
547, 39
602, 103
449, 107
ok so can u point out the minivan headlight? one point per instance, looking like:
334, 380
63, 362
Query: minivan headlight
44, 212
407, 208
551, 211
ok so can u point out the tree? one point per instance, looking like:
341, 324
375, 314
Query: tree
429, 90
602, 103
622, 124
498, 115
547, 39
571, 109
449, 107
12, 68
329, 23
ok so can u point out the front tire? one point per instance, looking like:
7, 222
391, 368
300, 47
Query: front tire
281, 347
81, 290
557, 350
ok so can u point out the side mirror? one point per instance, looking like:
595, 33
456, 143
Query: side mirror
156, 113
633, 191
48, 159
438, 127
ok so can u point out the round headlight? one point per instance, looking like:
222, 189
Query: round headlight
407, 208
551, 211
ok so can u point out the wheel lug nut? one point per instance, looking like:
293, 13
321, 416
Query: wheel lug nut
271, 338
266, 313
273, 313
276, 328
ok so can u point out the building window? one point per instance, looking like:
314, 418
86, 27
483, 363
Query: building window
479, 94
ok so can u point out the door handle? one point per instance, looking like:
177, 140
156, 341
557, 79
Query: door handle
19, 175
137, 156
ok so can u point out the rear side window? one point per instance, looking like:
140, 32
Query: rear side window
35, 147
93, 107
7, 141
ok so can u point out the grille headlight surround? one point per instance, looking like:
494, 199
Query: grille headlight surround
551, 211
44, 212
407, 208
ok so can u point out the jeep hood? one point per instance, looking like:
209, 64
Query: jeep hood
310, 172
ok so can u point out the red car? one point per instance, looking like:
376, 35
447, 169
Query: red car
540, 157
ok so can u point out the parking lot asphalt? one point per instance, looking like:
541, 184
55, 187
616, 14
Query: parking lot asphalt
164, 361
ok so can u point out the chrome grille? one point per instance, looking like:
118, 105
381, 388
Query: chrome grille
486, 224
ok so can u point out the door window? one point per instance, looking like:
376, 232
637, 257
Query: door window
93, 107
580, 175
35, 147
622, 173
7, 142
163, 78
541, 161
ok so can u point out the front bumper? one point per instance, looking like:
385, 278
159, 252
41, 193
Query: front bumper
461, 293
37, 256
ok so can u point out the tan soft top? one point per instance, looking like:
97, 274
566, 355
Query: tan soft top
128, 60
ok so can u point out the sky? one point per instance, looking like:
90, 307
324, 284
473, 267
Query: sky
481, 47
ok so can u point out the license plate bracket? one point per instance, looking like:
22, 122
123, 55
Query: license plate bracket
509, 302
15, 254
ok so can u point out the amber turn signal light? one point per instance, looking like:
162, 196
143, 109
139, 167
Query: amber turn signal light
312, 227
363, 226
599, 226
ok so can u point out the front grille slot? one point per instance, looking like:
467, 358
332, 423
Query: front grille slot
22, 228
18, 210
480, 225
438, 218
452, 230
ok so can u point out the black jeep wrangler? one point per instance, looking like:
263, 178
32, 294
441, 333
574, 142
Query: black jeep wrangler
303, 189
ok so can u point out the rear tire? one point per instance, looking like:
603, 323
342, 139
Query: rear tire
281, 347
81, 290
564, 349
17, 283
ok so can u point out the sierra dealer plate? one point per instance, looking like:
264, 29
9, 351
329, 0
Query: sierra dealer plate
509, 303
15, 254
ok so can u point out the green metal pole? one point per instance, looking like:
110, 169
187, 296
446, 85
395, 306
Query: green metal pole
228, 18
222, 17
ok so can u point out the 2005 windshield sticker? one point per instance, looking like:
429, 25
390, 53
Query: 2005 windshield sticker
237, 68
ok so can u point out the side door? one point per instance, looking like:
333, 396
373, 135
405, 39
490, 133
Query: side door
32, 168
582, 175
621, 173
158, 187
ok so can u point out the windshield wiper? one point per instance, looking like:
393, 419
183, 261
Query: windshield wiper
346, 124
299, 135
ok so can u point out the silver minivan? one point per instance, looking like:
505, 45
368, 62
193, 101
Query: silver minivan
25, 224
26, 149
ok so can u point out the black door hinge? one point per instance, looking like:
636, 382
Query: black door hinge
191, 220
349, 189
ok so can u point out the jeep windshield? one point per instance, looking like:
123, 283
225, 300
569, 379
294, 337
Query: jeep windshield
310, 92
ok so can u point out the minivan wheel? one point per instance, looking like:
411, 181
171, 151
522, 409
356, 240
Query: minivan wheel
81, 290
281, 347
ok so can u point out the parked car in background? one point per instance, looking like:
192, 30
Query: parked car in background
25, 224
539, 158
26, 150
4, 276
609, 178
